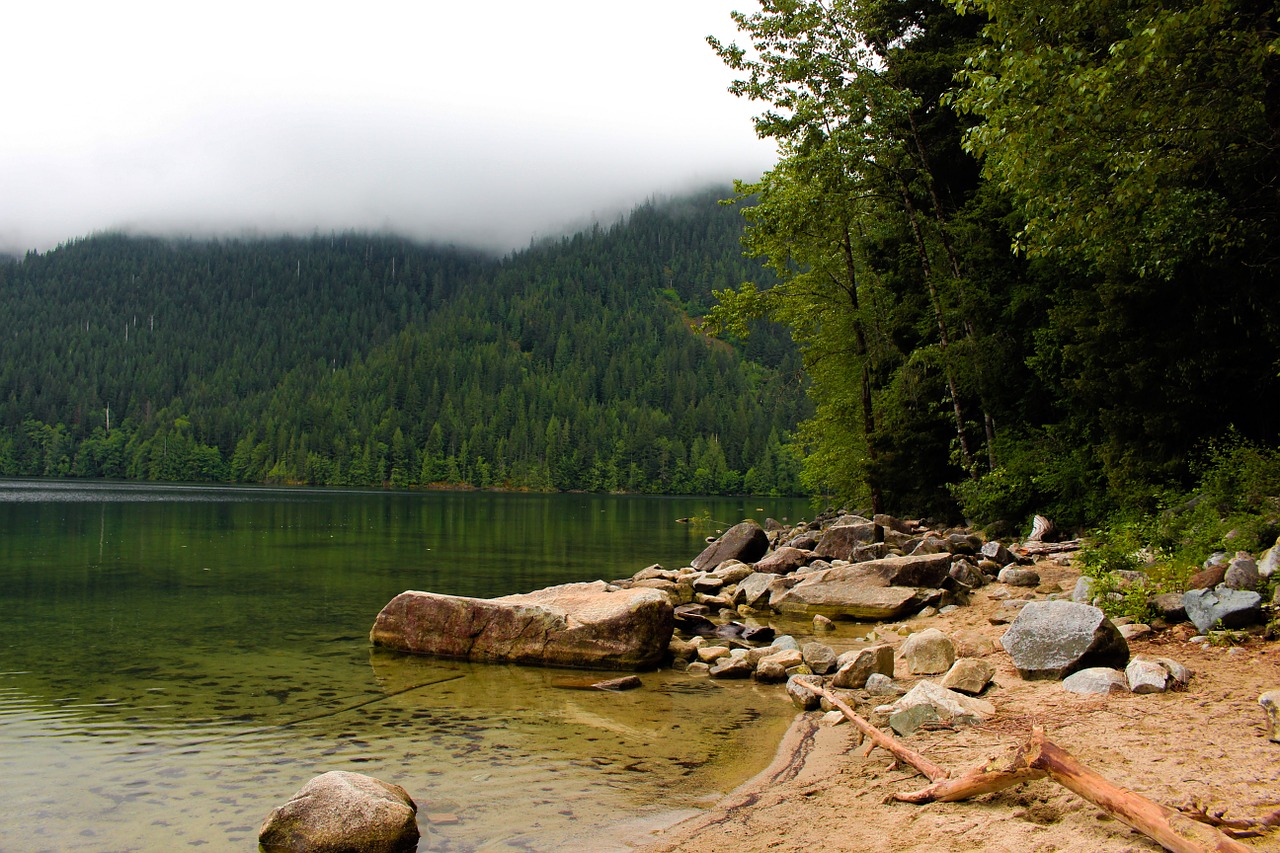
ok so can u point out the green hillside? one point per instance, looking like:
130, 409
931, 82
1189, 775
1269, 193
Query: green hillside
367, 360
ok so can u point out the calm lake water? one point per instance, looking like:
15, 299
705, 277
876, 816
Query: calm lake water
176, 661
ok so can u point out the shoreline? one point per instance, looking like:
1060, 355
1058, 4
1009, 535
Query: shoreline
1206, 744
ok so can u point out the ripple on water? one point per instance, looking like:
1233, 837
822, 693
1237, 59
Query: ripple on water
497, 757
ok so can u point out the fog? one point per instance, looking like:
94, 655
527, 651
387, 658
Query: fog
491, 125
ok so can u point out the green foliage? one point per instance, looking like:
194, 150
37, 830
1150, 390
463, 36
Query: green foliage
1234, 507
1126, 150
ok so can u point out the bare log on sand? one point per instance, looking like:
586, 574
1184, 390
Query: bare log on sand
1040, 758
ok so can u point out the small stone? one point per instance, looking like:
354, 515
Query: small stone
1096, 680
802, 696
927, 612
770, 672
819, 657
907, 720
1270, 702
786, 658
626, 682
735, 666
969, 675
711, 654
1242, 572
1134, 631
947, 705
928, 652
833, 718
1146, 676
1169, 607
1014, 576
822, 623
340, 810
879, 684
1179, 675
785, 641
699, 668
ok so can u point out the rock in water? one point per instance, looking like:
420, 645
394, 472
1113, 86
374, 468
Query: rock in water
579, 625
746, 541
341, 812
1052, 639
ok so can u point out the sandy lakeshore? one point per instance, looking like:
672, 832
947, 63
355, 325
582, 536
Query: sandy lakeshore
1205, 745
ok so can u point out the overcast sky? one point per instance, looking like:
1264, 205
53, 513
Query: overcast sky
489, 122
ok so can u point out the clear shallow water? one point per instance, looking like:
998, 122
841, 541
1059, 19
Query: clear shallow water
175, 661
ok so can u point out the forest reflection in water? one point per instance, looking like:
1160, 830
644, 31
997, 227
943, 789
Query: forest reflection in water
170, 670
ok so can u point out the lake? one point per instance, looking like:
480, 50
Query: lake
176, 661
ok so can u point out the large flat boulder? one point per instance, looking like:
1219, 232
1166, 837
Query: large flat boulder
849, 592
928, 570
590, 625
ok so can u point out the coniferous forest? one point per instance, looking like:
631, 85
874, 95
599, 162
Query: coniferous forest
1011, 259
366, 360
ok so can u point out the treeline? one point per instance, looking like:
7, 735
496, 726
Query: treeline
363, 360
1030, 252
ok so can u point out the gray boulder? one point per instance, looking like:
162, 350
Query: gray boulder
1234, 608
1242, 572
342, 812
1052, 639
733, 666
590, 625
746, 542
944, 705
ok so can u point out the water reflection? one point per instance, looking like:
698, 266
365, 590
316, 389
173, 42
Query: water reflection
175, 662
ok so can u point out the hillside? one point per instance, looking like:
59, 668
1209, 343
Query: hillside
369, 360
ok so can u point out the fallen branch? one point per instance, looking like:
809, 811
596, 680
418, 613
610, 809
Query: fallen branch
904, 754
1235, 827
1040, 757
1040, 549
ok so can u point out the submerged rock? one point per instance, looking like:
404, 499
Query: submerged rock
342, 812
578, 625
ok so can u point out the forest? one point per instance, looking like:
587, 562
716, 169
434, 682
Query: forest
1011, 259
1029, 252
368, 360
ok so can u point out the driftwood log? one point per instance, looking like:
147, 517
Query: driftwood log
1040, 758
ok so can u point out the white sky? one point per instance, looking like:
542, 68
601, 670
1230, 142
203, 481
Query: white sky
480, 121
